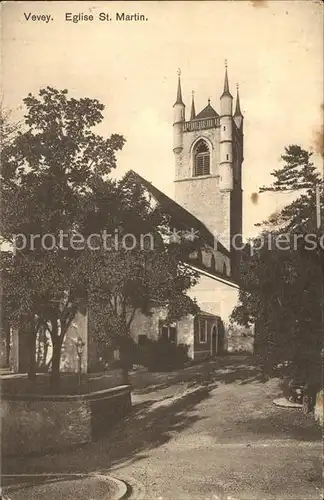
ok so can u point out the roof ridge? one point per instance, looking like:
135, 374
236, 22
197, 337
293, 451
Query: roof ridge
207, 112
205, 234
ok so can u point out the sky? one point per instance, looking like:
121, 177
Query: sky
274, 50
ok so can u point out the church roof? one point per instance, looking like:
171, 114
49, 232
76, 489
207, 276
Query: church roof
207, 112
209, 315
181, 216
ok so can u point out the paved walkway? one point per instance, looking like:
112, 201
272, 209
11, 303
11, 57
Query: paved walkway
216, 435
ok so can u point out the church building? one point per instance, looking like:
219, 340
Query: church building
208, 157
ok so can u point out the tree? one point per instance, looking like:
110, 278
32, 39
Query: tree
8, 127
8, 131
299, 175
48, 170
127, 279
282, 272
56, 183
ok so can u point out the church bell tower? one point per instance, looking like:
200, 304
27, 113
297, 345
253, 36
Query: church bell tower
208, 151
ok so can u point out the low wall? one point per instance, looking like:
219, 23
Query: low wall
18, 383
202, 355
38, 424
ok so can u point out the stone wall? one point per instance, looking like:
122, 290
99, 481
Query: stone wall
215, 297
212, 137
201, 197
203, 350
37, 424
147, 324
185, 333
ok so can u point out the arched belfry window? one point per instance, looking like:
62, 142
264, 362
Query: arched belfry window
201, 159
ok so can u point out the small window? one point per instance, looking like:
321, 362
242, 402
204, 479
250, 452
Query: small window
224, 128
224, 269
227, 157
196, 256
202, 331
172, 334
142, 339
168, 332
201, 159
213, 263
165, 332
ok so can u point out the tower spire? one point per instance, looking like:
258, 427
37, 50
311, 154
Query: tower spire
238, 117
193, 110
179, 92
226, 85
238, 111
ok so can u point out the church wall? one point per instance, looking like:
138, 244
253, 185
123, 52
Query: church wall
206, 258
215, 297
201, 197
147, 325
212, 137
69, 362
202, 350
185, 333
225, 235
220, 260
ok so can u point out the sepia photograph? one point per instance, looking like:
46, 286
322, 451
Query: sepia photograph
162, 250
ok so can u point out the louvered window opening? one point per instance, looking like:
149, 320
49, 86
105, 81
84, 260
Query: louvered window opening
202, 160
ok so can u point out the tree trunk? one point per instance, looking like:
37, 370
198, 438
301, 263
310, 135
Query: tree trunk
8, 338
125, 375
126, 357
44, 364
32, 353
56, 358
39, 348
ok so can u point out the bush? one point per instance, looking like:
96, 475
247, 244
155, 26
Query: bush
161, 355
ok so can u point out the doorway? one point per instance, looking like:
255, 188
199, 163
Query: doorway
214, 341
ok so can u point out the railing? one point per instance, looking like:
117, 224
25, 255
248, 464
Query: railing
200, 124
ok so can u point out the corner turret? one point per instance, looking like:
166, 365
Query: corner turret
179, 119
226, 138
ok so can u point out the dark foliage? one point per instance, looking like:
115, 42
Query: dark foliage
161, 355
282, 274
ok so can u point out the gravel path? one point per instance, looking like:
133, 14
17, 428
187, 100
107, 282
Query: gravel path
214, 435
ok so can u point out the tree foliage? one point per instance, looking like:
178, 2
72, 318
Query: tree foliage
8, 127
282, 272
298, 175
55, 181
139, 271
46, 171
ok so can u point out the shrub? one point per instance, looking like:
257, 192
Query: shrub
161, 355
